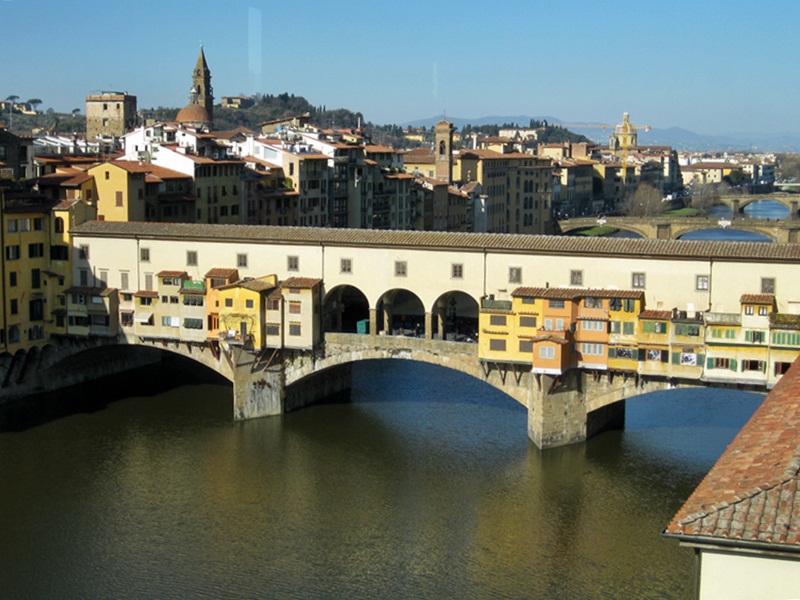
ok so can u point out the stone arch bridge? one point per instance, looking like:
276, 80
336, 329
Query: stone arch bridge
666, 228
561, 409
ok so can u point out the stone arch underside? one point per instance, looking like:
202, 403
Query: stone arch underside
340, 355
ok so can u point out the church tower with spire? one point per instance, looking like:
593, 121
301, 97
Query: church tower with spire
201, 84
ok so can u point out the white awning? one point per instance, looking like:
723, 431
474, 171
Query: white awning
143, 317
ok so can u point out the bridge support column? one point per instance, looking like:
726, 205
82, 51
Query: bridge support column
373, 321
575, 406
557, 410
428, 326
256, 392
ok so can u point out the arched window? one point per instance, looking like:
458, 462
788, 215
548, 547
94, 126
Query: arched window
442, 148
59, 225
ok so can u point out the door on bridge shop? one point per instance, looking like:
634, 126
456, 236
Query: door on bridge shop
243, 330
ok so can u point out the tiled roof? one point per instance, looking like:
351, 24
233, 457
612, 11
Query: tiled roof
574, 293
301, 282
751, 494
146, 294
479, 242
757, 299
256, 285
171, 274
222, 273
655, 314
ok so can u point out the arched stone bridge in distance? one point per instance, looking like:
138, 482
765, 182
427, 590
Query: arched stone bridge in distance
666, 228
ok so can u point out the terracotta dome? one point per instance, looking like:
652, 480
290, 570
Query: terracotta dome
193, 113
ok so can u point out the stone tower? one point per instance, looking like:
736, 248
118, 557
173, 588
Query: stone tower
201, 85
443, 151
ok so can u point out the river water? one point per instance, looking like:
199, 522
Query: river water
423, 486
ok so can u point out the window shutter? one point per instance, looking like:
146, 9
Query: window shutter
612, 353
676, 358
709, 363
733, 365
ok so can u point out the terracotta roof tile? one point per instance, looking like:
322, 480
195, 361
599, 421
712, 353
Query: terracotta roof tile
655, 314
751, 494
574, 293
301, 282
758, 299
479, 242
171, 274
222, 273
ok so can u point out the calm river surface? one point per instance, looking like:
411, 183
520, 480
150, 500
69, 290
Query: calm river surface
424, 486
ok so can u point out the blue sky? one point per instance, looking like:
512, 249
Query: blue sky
704, 65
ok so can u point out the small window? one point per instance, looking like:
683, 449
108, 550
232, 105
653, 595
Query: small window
555, 303
637, 280
701, 283
497, 345
191, 258
273, 304
241, 260
515, 275
762, 311
400, 268
497, 320
294, 308
346, 265
12, 279
124, 280
457, 271
527, 321
228, 302
293, 263
144, 254
748, 310
526, 346
248, 303
767, 285
295, 329
547, 352
576, 277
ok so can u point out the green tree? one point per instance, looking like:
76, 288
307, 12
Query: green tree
35, 102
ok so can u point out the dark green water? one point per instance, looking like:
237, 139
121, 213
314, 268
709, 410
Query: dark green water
424, 486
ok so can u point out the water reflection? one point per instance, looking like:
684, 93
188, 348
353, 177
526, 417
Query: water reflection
423, 486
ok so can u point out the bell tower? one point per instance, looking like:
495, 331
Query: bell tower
443, 151
201, 84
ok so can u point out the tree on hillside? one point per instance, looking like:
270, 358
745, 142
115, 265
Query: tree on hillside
646, 201
35, 102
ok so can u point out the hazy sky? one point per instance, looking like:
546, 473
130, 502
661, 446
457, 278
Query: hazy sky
704, 65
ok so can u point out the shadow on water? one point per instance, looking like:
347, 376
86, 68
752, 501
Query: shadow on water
170, 373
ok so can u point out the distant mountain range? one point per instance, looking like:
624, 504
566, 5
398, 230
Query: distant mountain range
678, 138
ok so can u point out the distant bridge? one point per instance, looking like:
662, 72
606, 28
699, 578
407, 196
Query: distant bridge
737, 202
667, 228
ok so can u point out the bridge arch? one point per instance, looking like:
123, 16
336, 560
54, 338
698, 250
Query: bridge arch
682, 233
343, 308
400, 311
454, 316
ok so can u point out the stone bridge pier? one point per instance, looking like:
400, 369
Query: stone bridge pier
563, 409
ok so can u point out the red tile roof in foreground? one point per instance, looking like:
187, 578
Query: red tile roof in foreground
751, 495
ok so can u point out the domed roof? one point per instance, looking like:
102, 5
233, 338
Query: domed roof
193, 113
